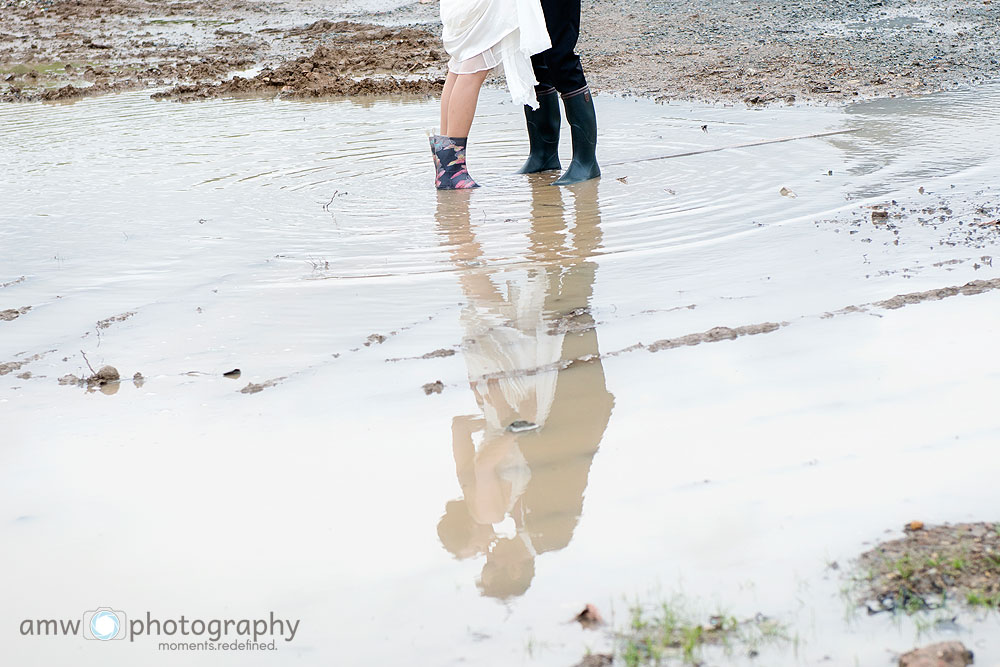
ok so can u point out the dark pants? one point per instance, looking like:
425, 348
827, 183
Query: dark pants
559, 67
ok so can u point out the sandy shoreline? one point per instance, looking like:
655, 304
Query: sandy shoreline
717, 52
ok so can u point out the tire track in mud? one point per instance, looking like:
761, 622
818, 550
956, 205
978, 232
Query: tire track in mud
713, 335
717, 334
16, 365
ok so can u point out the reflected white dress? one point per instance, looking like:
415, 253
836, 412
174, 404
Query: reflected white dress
512, 358
481, 34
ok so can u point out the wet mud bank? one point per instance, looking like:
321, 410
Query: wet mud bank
357, 69
65, 49
933, 567
753, 53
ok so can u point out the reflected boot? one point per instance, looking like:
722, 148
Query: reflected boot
449, 163
543, 134
582, 120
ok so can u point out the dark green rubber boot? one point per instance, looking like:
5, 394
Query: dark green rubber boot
543, 134
583, 125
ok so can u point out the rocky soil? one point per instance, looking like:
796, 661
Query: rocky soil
933, 565
751, 52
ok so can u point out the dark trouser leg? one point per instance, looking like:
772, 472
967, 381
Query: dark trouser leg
560, 68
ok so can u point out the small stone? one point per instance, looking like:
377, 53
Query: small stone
106, 375
945, 654
520, 426
375, 339
435, 387
437, 354
914, 525
589, 618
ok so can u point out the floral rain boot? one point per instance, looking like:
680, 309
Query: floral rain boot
449, 163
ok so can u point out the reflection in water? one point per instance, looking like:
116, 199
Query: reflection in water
909, 139
523, 486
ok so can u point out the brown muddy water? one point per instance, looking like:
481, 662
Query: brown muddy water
686, 377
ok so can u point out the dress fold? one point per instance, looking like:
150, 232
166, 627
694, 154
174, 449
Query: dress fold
482, 34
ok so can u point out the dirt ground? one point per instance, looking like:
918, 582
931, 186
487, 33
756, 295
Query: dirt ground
64, 49
753, 52
933, 565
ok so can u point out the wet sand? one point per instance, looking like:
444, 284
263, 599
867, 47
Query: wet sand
752, 53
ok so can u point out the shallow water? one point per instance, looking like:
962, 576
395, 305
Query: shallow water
303, 243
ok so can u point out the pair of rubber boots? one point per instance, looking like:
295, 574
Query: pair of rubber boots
543, 137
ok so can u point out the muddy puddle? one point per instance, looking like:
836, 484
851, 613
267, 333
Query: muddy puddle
461, 417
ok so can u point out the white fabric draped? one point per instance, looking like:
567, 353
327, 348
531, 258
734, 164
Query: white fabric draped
481, 34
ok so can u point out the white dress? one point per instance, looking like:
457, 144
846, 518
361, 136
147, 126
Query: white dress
481, 34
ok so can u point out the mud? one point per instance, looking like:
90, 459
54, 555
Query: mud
931, 566
108, 321
435, 387
13, 313
63, 50
356, 50
438, 354
256, 388
723, 333
943, 654
717, 51
11, 366
963, 221
714, 335
974, 287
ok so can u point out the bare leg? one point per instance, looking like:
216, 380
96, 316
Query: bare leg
449, 85
462, 100
458, 108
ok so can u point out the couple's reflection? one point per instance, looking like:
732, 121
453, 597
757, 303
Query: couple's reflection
524, 461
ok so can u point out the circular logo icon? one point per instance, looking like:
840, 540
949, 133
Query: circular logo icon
104, 625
